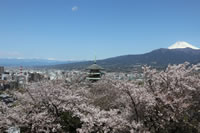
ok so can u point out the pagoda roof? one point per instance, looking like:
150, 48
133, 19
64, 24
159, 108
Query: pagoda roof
95, 67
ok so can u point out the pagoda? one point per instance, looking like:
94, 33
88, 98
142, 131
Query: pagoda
94, 72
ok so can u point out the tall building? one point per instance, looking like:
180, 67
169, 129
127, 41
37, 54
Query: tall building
1, 72
1, 69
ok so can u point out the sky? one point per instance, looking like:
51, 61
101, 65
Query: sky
83, 29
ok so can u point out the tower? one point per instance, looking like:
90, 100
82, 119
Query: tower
94, 72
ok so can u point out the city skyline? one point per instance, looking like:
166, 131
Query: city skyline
81, 29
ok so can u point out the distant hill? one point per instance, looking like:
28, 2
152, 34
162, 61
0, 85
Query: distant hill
158, 58
30, 62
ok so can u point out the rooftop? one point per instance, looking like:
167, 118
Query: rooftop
95, 67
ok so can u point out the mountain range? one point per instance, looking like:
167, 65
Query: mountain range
179, 52
12, 62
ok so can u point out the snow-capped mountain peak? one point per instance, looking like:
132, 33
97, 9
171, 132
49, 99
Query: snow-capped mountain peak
182, 44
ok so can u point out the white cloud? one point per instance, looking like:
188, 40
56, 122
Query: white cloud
74, 8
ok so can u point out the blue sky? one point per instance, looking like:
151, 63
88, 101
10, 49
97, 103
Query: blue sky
81, 29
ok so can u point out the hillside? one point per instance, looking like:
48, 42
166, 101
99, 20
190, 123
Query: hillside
158, 58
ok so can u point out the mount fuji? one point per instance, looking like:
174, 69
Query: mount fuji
182, 44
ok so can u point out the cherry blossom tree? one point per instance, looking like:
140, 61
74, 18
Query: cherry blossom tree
172, 89
163, 102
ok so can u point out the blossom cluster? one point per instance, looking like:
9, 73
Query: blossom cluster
163, 98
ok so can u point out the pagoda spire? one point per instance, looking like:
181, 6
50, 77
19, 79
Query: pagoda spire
95, 61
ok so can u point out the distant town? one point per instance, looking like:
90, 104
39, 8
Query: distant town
19, 77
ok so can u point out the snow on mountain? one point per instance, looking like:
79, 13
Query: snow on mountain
182, 44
